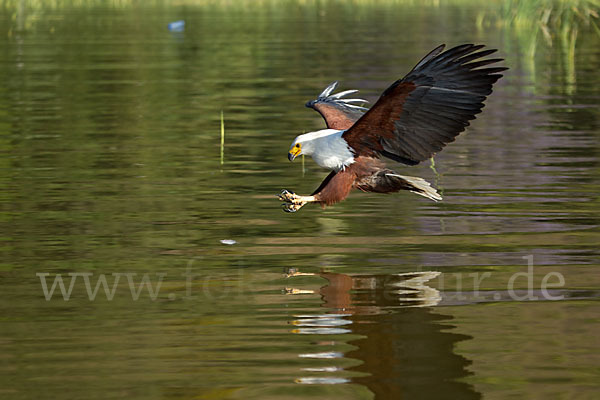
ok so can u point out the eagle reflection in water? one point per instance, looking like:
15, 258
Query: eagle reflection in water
405, 348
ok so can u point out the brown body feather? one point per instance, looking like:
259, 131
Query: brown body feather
368, 175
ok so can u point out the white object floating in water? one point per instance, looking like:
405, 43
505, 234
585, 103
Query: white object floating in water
228, 241
176, 26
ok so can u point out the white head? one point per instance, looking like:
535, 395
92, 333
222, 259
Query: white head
327, 147
307, 143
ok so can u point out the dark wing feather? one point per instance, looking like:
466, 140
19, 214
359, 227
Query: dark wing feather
419, 114
339, 113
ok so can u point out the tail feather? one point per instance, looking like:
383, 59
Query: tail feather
419, 186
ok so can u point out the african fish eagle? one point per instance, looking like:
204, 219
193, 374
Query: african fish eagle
413, 119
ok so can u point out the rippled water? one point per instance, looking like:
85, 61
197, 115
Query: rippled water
111, 169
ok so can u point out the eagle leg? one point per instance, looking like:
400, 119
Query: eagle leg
294, 202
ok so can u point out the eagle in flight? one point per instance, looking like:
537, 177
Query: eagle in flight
412, 120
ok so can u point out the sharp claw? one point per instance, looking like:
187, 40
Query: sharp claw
286, 196
292, 202
289, 208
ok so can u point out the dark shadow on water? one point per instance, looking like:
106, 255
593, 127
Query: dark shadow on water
406, 350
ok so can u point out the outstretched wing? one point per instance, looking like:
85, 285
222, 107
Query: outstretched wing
419, 114
339, 113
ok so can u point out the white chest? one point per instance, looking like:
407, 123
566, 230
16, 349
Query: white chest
332, 152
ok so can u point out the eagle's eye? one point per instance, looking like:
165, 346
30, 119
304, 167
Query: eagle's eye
297, 145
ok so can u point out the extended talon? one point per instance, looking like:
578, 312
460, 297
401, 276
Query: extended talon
291, 197
293, 202
291, 208
286, 196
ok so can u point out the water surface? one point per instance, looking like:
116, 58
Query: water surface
111, 169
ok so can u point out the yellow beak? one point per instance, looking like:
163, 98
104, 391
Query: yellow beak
293, 153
